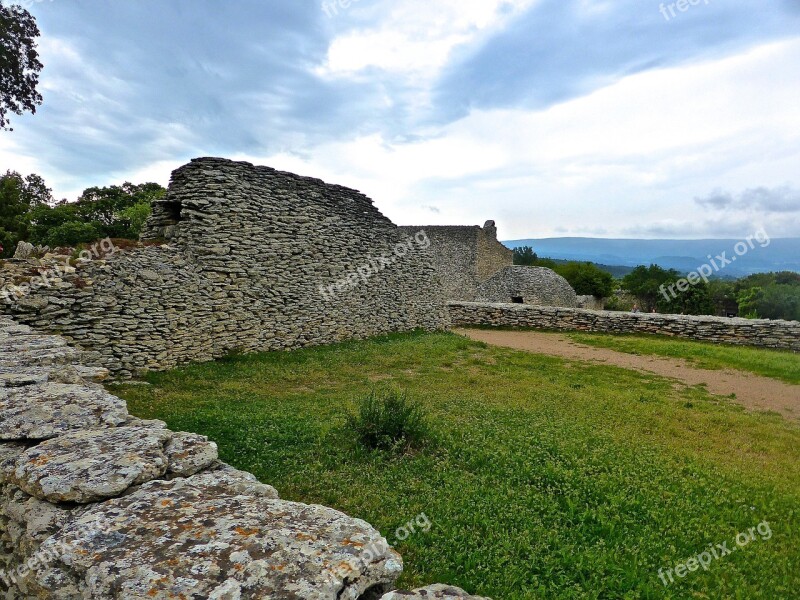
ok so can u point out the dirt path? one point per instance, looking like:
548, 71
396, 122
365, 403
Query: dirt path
752, 391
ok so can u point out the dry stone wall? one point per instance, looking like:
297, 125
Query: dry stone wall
465, 256
528, 285
96, 504
241, 258
784, 335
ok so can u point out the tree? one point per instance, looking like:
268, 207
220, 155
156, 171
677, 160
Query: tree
525, 256
723, 296
19, 197
587, 279
71, 234
115, 212
696, 300
645, 283
109, 206
19, 63
776, 301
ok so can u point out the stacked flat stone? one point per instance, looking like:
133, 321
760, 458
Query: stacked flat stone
96, 504
532, 285
764, 333
465, 256
247, 253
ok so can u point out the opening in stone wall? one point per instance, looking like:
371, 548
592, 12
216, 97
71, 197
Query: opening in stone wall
517, 300
171, 212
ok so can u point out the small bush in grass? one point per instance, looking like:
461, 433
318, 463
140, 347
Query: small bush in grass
389, 420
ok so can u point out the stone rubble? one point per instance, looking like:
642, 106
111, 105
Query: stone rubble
432, 592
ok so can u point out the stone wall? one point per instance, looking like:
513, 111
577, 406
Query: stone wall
96, 504
465, 256
242, 258
527, 285
784, 335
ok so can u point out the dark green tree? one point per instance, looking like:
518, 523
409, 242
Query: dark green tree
525, 256
115, 212
646, 284
587, 279
775, 301
696, 300
723, 296
110, 207
19, 63
19, 197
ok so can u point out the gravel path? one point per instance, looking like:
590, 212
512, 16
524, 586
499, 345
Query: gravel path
754, 392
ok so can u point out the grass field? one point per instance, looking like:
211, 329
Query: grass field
545, 479
769, 363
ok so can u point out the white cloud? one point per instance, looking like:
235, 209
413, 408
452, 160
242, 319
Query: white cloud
629, 155
416, 37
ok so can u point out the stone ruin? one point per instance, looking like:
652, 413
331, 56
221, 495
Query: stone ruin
97, 504
237, 258
475, 267
528, 285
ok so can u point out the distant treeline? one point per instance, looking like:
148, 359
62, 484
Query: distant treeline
763, 295
28, 212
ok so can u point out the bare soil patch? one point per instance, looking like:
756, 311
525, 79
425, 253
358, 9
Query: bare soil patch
754, 392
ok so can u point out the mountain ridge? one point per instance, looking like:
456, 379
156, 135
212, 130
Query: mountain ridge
746, 257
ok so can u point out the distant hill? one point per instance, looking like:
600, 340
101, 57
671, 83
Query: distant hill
683, 255
617, 271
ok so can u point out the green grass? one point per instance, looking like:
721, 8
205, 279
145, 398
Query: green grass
776, 364
548, 479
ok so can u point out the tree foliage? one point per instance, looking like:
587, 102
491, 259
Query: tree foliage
19, 197
696, 300
19, 63
28, 212
587, 279
114, 212
769, 295
525, 256
646, 284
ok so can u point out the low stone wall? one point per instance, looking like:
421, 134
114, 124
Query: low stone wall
96, 504
784, 335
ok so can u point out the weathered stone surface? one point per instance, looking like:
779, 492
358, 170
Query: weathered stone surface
257, 260
10, 450
433, 592
234, 480
529, 285
92, 465
189, 453
464, 256
43, 411
590, 302
784, 335
192, 539
23, 251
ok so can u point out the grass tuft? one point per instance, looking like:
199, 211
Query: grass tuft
389, 420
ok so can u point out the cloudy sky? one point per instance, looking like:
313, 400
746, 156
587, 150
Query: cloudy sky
603, 118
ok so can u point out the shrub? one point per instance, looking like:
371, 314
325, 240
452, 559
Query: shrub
389, 421
71, 234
